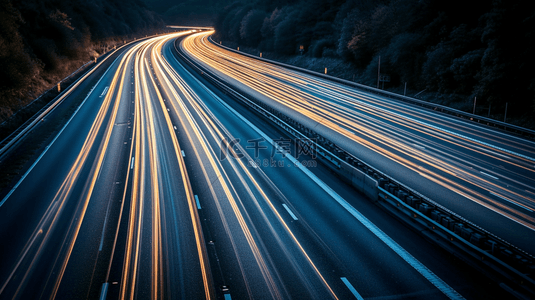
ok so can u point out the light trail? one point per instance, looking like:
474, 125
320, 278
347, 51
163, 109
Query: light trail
216, 131
453, 152
150, 184
158, 180
152, 244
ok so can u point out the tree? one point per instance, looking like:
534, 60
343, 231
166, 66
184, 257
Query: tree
18, 68
251, 25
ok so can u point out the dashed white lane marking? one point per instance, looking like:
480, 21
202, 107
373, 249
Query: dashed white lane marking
351, 288
489, 175
197, 201
290, 212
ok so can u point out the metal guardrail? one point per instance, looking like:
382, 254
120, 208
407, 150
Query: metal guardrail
12, 138
27, 126
504, 263
524, 132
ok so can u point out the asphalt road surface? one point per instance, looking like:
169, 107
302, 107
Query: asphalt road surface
160, 186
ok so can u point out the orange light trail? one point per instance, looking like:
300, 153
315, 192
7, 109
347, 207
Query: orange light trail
410, 137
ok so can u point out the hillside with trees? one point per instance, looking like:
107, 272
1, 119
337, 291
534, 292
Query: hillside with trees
446, 47
42, 41
188, 12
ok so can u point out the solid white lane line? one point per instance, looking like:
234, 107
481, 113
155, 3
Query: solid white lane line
512, 202
351, 288
413, 262
197, 201
406, 256
489, 175
57, 136
289, 211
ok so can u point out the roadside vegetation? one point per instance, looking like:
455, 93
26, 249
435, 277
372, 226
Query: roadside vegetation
43, 41
452, 51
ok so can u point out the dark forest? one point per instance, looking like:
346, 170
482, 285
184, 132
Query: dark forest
42, 41
447, 47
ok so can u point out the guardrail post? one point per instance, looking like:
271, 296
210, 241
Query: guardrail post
378, 71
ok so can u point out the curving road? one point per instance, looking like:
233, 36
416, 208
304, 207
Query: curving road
107, 209
482, 174
161, 187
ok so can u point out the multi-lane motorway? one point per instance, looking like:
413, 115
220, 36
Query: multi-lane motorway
482, 174
160, 186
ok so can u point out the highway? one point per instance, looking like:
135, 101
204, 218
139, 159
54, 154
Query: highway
481, 174
161, 187
100, 206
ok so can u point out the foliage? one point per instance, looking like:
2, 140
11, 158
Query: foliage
42, 41
484, 50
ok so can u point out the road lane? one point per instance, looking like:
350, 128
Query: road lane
64, 245
331, 239
441, 157
135, 200
48, 195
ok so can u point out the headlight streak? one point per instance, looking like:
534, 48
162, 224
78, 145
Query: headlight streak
230, 194
146, 196
343, 112
149, 180
221, 175
155, 54
215, 129
97, 165
347, 95
147, 173
148, 177
51, 217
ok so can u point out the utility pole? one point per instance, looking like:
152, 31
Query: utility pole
405, 90
505, 116
379, 71
474, 111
